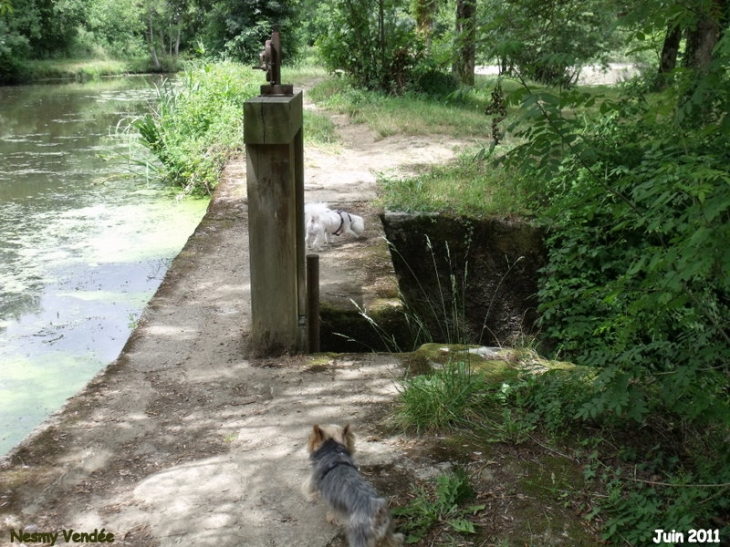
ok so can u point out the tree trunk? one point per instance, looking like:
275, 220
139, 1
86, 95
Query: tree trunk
668, 60
162, 40
702, 39
698, 101
153, 51
424, 13
384, 72
465, 46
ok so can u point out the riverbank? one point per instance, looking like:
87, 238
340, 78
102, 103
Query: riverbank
84, 70
75, 271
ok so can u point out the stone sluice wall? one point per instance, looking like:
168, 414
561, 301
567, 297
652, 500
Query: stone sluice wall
468, 280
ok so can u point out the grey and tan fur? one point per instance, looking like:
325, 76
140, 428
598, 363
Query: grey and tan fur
351, 498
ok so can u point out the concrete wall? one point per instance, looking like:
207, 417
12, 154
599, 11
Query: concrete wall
468, 280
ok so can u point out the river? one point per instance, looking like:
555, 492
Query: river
86, 237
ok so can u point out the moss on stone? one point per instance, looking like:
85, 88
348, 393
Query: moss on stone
497, 365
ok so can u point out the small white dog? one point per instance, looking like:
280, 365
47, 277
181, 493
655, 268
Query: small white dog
322, 223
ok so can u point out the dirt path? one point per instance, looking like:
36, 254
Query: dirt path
360, 270
183, 440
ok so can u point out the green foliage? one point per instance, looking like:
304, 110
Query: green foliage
157, 29
364, 39
375, 42
441, 399
313, 20
430, 508
14, 49
663, 473
431, 79
197, 125
679, 483
113, 27
635, 510
50, 26
638, 203
637, 200
548, 41
36, 29
237, 30
635, 283
553, 399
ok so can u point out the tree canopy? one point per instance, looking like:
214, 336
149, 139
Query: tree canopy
47, 29
385, 44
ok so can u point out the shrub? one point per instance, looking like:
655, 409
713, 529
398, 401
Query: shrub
635, 282
14, 49
547, 41
375, 42
197, 125
636, 205
430, 79
637, 201
441, 506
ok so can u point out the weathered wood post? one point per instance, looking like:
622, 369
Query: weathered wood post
272, 133
313, 330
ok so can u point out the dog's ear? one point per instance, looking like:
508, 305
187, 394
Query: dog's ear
349, 439
315, 438
317, 432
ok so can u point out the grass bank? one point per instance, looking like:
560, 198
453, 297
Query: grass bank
472, 185
84, 70
463, 116
512, 423
196, 125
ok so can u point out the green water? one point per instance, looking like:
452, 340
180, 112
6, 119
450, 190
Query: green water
85, 240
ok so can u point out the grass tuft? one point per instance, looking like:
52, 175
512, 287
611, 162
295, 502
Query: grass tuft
442, 399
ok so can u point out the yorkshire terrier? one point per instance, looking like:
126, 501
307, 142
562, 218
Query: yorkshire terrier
350, 497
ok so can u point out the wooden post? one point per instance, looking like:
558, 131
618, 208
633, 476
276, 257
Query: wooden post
272, 132
313, 303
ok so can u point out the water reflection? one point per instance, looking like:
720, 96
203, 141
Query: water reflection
83, 241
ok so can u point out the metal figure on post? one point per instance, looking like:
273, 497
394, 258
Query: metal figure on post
270, 62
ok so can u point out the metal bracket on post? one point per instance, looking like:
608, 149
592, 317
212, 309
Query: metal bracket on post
270, 62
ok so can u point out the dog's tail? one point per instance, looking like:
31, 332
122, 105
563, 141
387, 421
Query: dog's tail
316, 208
360, 532
371, 527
